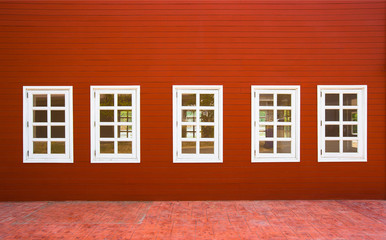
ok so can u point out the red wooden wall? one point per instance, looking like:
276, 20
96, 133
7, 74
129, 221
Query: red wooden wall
156, 44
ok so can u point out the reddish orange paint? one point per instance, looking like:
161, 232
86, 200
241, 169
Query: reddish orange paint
157, 44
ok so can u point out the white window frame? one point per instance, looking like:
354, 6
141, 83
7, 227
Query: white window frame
361, 155
217, 157
28, 155
96, 157
294, 156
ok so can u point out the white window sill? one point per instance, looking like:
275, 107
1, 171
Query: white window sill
194, 160
274, 160
109, 160
342, 160
47, 160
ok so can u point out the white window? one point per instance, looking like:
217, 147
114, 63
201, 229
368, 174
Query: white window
342, 123
197, 124
47, 125
275, 123
115, 129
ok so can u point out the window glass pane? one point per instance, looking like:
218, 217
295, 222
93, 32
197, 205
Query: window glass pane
106, 147
266, 99
350, 99
40, 116
106, 131
124, 116
188, 115
189, 147
207, 115
57, 116
188, 131
350, 130
332, 115
206, 99
350, 146
39, 100
40, 131
58, 147
207, 147
124, 99
207, 131
106, 100
266, 147
266, 115
350, 115
188, 99
283, 131
57, 100
125, 132
125, 147
332, 100
40, 147
107, 115
58, 131
332, 130
265, 130
284, 100
332, 146
284, 115
283, 147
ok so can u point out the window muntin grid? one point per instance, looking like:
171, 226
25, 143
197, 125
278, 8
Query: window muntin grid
198, 121
342, 123
48, 129
115, 124
275, 123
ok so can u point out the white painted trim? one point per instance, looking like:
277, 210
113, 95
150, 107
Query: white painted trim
27, 103
296, 106
219, 108
350, 157
136, 108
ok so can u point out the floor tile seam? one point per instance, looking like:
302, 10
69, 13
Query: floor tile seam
284, 223
232, 225
158, 229
47, 203
309, 224
137, 224
255, 210
360, 213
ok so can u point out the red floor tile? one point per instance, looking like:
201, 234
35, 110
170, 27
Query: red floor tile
194, 220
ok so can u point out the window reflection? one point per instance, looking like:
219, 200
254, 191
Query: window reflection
106, 100
39, 100
124, 116
189, 147
266, 99
124, 99
332, 100
284, 115
125, 132
206, 99
207, 147
207, 115
266, 147
266, 115
189, 131
189, 115
188, 99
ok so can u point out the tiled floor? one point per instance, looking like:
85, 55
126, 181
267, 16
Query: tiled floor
194, 220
